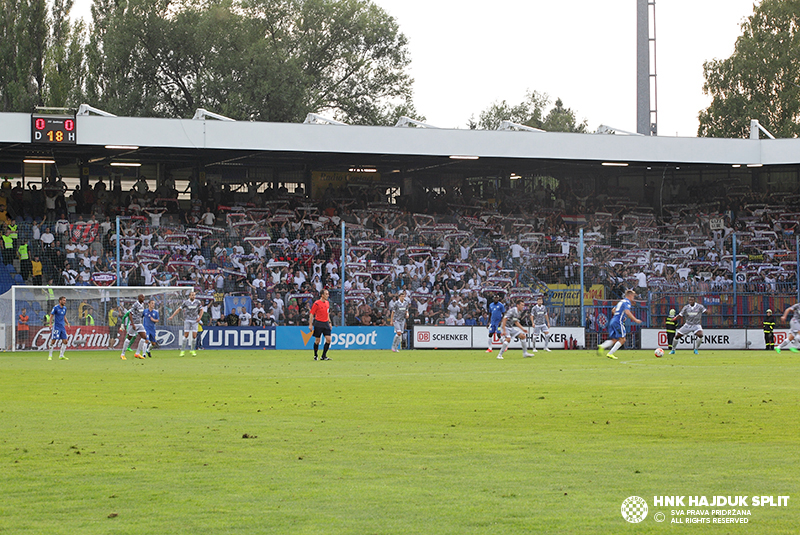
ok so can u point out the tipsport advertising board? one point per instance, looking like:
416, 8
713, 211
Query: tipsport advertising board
341, 338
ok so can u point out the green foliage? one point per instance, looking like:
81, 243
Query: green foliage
530, 112
760, 80
65, 68
41, 55
267, 60
561, 119
416, 442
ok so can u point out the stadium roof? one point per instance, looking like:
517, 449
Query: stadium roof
330, 147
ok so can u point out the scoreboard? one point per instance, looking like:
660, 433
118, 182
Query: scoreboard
54, 129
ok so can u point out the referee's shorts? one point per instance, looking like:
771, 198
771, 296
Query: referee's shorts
322, 328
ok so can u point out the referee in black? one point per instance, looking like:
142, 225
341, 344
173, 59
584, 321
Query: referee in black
320, 321
671, 324
769, 330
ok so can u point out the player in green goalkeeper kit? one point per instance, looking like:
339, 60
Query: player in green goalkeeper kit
130, 333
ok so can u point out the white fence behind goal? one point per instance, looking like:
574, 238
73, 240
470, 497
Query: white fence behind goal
88, 309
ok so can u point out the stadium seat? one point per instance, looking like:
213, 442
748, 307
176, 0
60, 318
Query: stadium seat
18, 280
11, 269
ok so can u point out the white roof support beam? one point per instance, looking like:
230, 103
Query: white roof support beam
510, 125
313, 118
605, 129
405, 122
201, 114
86, 109
755, 126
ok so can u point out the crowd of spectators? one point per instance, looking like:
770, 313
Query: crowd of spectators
449, 249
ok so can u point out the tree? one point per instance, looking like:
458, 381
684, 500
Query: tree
530, 112
561, 119
41, 55
22, 41
65, 66
761, 79
268, 60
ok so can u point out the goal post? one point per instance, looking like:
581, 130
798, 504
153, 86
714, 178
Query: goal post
93, 325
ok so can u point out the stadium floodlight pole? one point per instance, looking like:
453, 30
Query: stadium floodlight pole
344, 271
735, 299
580, 252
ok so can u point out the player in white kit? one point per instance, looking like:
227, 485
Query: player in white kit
192, 312
692, 315
511, 327
794, 329
398, 319
137, 325
540, 320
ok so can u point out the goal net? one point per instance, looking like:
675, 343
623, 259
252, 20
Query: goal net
92, 312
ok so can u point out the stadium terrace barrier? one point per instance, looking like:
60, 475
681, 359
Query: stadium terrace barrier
449, 337
715, 339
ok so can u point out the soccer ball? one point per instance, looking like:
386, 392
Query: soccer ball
659, 352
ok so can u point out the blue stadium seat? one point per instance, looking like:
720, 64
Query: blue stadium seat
10, 268
18, 280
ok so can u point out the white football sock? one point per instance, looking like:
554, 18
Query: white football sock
617, 345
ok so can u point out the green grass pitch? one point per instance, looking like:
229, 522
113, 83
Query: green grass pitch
428, 442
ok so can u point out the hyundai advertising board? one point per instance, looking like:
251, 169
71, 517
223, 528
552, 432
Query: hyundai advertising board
239, 337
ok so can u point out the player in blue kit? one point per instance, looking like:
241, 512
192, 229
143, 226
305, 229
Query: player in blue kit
58, 327
496, 312
150, 318
616, 327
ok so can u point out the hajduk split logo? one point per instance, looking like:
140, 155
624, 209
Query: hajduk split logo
634, 509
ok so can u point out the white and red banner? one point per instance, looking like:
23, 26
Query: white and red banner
444, 337
755, 338
712, 339
557, 338
457, 337
103, 279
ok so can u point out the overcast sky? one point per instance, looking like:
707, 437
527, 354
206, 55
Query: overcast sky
467, 54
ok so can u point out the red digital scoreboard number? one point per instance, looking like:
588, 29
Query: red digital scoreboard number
54, 129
